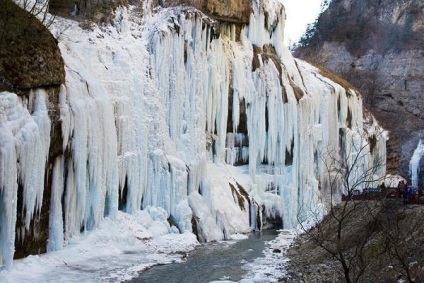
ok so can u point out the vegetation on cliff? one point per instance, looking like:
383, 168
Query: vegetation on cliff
393, 249
363, 25
29, 55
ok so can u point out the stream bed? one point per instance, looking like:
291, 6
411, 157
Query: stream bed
212, 261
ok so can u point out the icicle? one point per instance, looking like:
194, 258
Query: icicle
415, 162
55, 241
144, 117
24, 145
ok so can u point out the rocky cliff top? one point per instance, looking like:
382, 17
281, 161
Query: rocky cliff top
365, 25
378, 47
237, 11
29, 55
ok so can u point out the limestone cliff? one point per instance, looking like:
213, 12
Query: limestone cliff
378, 47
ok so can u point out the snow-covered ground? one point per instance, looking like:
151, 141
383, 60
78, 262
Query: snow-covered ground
272, 266
116, 251
119, 250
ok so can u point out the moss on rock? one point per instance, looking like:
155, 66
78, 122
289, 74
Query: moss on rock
29, 55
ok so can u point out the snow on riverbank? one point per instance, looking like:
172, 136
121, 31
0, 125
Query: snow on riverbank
272, 266
116, 251
119, 250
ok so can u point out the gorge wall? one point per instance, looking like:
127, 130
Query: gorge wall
207, 117
378, 47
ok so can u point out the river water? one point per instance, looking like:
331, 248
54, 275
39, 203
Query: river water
211, 261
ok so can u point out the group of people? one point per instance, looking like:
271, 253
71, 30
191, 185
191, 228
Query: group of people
403, 191
408, 192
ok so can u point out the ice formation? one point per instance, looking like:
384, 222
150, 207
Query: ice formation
214, 122
24, 145
414, 164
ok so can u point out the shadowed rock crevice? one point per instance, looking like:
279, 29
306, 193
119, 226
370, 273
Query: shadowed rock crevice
267, 53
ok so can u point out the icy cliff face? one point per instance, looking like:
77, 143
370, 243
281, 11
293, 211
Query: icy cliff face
214, 122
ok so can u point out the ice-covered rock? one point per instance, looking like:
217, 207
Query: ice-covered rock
157, 112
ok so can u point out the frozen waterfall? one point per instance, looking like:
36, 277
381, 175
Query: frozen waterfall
414, 164
214, 122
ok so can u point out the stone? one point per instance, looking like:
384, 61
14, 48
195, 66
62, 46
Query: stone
29, 55
237, 11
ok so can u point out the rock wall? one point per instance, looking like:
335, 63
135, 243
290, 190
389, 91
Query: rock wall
235, 11
29, 56
378, 47
30, 60
229, 10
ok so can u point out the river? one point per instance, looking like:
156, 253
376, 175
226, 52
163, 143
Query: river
212, 261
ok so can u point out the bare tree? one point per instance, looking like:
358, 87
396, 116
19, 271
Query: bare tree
400, 234
14, 22
38, 9
349, 171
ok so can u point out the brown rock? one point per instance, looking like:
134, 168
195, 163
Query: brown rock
29, 55
237, 11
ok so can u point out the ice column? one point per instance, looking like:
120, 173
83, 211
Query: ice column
414, 164
24, 145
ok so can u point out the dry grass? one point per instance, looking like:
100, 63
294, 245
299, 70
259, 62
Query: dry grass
334, 77
310, 263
